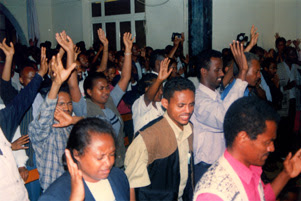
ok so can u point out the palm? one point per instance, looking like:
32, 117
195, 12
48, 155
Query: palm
292, 165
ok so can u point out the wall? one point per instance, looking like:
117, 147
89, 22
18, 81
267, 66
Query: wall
231, 17
163, 20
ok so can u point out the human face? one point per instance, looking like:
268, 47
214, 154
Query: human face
84, 61
98, 158
253, 74
272, 69
173, 66
111, 74
27, 75
280, 46
111, 56
213, 76
180, 107
135, 50
64, 102
257, 151
100, 92
120, 62
159, 93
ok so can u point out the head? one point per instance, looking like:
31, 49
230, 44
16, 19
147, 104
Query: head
178, 100
92, 146
112, 56
250, 126
97, 88
64, 101
173, 65
253, 73
110, 73
156, 57
290, 55
209, 68
270, 66
135, 50
83, 60
119, 59
145, 82
280, 44
27, 73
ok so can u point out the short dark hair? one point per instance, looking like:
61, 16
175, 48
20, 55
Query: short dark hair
249, 56
247, 114
177, 84
155, 55
146, 81
203, 60
80, 135
267, 62
280, 39
90, 81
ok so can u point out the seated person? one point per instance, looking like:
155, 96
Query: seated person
90, 155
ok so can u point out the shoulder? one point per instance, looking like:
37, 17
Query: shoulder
59, 189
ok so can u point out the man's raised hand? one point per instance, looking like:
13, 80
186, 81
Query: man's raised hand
128, 41
9, 51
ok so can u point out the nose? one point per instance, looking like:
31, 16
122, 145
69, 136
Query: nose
107, 161
221, 73
271, 147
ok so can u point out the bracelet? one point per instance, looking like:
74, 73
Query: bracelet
127, 53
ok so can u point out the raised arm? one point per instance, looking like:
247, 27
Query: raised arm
176, 44
127, 65
66, 42
105, 53
254, 38
9, 52
163, 75
240, 58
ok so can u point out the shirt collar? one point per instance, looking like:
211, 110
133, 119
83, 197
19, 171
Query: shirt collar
181, 135
241, 170
209, 92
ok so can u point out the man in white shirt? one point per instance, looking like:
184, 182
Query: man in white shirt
209, 112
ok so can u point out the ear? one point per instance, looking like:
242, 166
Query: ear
164, 103
76, 155
242, 137
203, 72
21, 80
89, 92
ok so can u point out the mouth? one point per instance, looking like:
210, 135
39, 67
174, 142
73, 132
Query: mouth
185, 117
219, 79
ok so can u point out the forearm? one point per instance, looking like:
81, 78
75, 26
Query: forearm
73, 87
173, 51
228, 76
279, 182
55, 87
126, 70
242, 75
104, 59
132, 194
8, 92
151, 92
6, 74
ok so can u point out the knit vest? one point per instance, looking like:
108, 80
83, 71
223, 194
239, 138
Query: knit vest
94, 110
222, 180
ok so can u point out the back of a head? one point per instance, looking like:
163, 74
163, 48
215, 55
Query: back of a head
177, 84
249, 56
247, 114
203, 60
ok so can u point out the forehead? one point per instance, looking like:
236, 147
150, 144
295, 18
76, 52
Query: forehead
215, 62
182, 96
269, 132
100, 82
255, 65
64, 97
27, 70
103, 141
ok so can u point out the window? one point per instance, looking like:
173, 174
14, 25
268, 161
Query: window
116, 17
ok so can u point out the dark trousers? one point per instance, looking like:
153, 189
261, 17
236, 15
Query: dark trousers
199, 170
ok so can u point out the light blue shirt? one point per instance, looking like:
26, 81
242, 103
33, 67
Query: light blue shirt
208, 119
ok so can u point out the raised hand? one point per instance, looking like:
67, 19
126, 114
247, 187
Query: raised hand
277, 35
18, 143
128, 41
254, 38
60, 74
164, 71
77, 184
44, 62
102, 37
292, 165
237, 50
76, 52
64, 40
9, 51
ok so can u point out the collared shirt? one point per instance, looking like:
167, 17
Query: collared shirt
49, 143
208, 119
249, 176
137, 158
143, 114
11, 184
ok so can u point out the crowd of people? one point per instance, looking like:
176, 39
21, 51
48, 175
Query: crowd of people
207, 127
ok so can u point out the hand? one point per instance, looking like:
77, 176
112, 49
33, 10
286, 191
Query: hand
277, 35
237, 50
61, 53
254, 35
59, 73
43, 64
128, 41
177, 41
182, 37
102, 37
77, 184
18, 143
9, 51
62, 117
23, 172
64, 40
292, 165
164, 72
296, 43
76, 52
